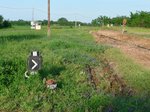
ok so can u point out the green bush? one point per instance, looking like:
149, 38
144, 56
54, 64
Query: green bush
4, 23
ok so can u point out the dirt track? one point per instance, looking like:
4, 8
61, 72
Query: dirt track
135, 47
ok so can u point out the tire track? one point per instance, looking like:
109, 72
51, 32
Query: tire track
137, 49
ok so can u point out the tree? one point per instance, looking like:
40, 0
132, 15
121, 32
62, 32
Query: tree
6, 24
140, 19
101, 20
20, 22
1, 21
63, 21
118, 20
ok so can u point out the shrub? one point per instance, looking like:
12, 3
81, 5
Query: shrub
6, 24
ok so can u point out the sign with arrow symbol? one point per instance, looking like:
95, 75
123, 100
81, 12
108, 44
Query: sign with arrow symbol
34, 61
35, 64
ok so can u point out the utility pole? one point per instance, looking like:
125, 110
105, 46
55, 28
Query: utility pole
75, 24
49, 31
33, 15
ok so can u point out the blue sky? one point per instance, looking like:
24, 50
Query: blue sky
83, 10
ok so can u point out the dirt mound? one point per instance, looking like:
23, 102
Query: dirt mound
126, 38
137, 48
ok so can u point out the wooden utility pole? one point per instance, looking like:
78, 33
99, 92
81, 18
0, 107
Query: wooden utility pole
33, 15
48, 31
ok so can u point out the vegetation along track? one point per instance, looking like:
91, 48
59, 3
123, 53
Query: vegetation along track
137, 48
107, 80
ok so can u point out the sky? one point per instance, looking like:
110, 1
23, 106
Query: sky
75, 10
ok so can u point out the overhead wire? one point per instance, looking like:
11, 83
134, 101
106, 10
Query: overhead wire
43, 11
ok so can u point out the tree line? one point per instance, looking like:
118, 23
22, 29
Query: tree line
137, 19
62, 22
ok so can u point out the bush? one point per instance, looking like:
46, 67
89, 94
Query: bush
8, 70
6, 24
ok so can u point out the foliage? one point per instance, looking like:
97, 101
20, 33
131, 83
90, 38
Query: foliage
65, 57
62, 21
1, 20
138, 19
101, 21
4, 23
20, 22
117, 21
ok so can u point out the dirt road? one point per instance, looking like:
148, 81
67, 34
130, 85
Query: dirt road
135, 47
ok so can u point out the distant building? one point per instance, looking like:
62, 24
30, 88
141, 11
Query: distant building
35, 25
32, 25
79, 25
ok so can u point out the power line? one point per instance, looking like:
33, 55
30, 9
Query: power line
16, 8
44, 12
5, 7
41, 10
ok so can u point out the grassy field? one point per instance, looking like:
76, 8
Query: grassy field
66, 56
136, 75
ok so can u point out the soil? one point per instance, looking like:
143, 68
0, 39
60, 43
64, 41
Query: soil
108, 80
135, 47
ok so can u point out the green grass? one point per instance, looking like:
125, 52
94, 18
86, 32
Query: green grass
65, 57
136, 76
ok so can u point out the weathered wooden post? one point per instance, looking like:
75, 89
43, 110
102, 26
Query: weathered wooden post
124, 25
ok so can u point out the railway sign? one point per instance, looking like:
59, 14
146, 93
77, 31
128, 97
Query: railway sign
34, 61
124, 22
